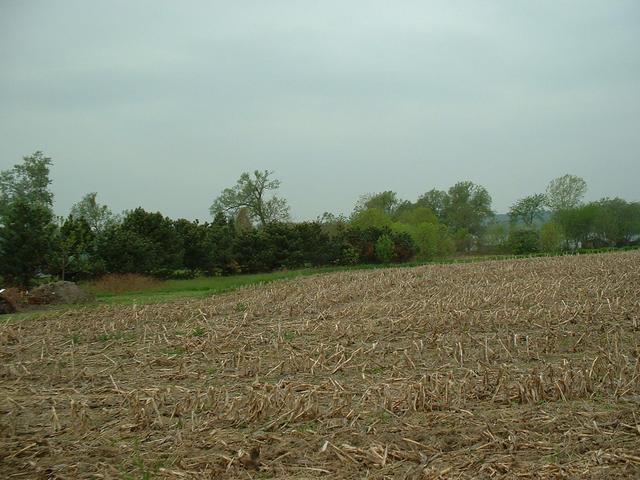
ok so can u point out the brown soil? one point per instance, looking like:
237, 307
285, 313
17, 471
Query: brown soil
59, 293
511, 369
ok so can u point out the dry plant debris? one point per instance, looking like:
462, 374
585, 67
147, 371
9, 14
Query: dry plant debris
511, 369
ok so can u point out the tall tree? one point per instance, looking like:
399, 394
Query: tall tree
194, 237
551, 237
372, 217
28, 180
166, 245
616, 221
435, 201
467, 206
144, 242
386, 201
433, 240
416, 216
26, 236
123, 250
73, 249
527, 209
252, 193
222, 234
565, 192
26, 219
496, 235
88, 209
242, 220
578, 223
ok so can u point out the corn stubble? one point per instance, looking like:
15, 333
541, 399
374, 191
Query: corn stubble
512, 369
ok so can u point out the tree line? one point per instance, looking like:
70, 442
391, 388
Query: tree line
250, 229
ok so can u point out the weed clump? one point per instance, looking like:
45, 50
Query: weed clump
122, 282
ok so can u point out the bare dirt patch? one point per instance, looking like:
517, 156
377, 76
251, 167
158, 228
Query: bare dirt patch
59, 293
511, 369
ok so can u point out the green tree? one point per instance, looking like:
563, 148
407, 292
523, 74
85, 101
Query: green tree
332, 224
73, 249
25, 240
125, 251
386, 201
221, 238
242, 220
160, 232
251, 193
496, 236
577, 223
404, 247
565, 192
363, 241
26, 225
88, 209
29, 180
435, 201
403, 207
616, 221
523, 241
372, 217
194, 237
417, 215
463, 240
551, 237
467, 206
143, 243
528, 209
433, 240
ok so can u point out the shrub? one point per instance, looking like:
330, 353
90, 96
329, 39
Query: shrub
463, 240
551, 237
522, 242
433, 241
122, 282
183, 274
384, 249
178, 274
404, 248
348, 255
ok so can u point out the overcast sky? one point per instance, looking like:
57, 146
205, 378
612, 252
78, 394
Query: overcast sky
162, 104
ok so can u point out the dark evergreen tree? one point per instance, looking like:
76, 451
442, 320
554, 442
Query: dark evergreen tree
26, 236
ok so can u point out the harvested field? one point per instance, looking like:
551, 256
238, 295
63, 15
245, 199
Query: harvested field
511, 369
